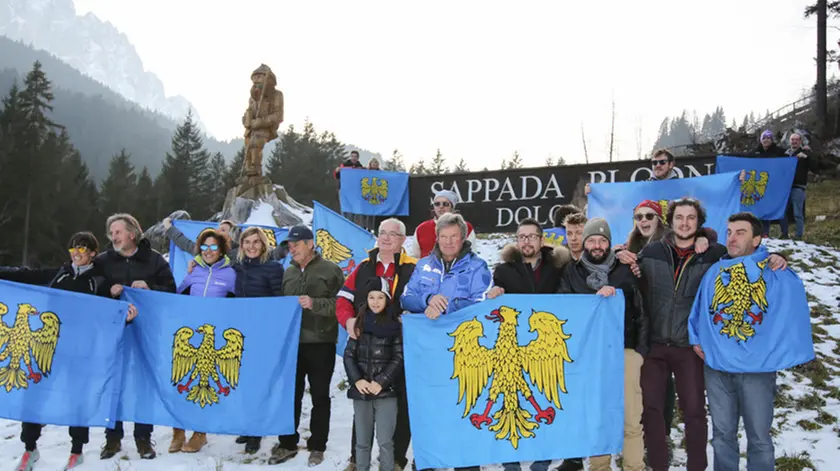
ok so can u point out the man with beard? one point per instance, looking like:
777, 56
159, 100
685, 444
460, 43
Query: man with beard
662, 166
671, 271
528, 267
599, 272
131, 261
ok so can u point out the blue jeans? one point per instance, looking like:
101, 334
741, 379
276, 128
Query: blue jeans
535, 466
797, 203
735, 395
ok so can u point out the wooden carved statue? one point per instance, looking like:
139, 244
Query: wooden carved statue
262, 118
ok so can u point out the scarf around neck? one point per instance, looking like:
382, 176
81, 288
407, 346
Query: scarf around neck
381, 325
598, 273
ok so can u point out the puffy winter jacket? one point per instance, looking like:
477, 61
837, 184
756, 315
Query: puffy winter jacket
516, 278
374, 358
668, 297
256, 279
210, 281
636, 323
465, 283
145, 264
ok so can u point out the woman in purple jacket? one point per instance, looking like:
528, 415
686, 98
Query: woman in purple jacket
212, 277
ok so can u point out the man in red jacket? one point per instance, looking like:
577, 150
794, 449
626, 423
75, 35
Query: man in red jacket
425, 235
387, 260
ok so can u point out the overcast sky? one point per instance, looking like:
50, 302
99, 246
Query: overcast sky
477, 79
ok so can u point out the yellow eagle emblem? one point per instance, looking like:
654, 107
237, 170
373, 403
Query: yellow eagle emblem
333, 250
508, 362
553, 239
753, 187
206, 362
664, 205
733, 302
272, 238
17, 341
374, 190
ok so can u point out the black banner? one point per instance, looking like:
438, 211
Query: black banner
496, 201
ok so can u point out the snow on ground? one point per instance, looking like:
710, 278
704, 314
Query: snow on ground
807, 405
262, 215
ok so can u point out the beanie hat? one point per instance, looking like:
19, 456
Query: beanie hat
450, 195
766, 133
597, 226
650, 204
377, 284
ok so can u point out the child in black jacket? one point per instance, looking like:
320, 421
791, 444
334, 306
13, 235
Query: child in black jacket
373, 361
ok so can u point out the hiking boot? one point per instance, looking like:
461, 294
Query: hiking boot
178, 439
316, 458
198, 440
111, 447
144, 448
75, 460
571, 464
27, 461
241, 440
252, 445
281, 455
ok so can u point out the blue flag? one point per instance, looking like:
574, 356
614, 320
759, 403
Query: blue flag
72, 344
178, 259
341, 242
374, 192
513, 346
751, 319
767, 183
719, 194
555, 236
216, 365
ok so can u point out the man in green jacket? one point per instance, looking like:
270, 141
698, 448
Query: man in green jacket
316, 282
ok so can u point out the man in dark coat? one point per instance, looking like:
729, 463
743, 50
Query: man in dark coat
131, 261
528, 267
599, 272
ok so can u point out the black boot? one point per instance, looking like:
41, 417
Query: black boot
252, 445
112, 446
571, 464
241, 440
145, 449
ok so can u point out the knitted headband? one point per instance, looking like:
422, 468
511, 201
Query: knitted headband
650, 204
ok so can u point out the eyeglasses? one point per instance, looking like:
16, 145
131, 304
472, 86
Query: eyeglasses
205, 247
445, 204
648, 216
81, 250
390, 234
531, 237
657, 163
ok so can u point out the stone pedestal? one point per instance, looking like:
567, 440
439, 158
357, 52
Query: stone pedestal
252, 191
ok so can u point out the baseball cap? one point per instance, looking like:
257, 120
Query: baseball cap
298, 233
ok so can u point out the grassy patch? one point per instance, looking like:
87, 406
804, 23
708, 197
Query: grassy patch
825, 418
796, 462
811, 401
783, 401
818, 330
822, 201
815, 370
820, 310
834, 393
830, 320
808, 425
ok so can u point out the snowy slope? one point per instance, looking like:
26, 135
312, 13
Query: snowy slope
807, 407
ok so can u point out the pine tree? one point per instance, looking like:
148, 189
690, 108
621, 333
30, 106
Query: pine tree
119, 190
438, 165
185, 172
78, 207
560, 162
146, 212
395, 163
549, 161
515, 161
235, 169
419, 168
216, 179
461, 167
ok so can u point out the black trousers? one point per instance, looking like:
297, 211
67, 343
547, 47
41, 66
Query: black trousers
30, 433
316, 361
402, 434
142, 431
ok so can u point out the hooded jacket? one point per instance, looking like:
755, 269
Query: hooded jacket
210, 281
515, 277
465, 283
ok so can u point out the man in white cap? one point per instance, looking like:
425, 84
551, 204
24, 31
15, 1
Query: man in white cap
425, 236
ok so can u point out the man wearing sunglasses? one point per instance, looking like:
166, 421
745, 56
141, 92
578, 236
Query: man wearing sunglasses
425, 235
662, 166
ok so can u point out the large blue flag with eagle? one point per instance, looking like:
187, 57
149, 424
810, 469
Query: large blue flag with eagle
767, 183
554, 236
60, 356
751, 319
217, 365
516, 378
719, 194
374, 192
341, 242
179, 259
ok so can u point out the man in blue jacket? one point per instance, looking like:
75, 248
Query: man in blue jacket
452, 277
